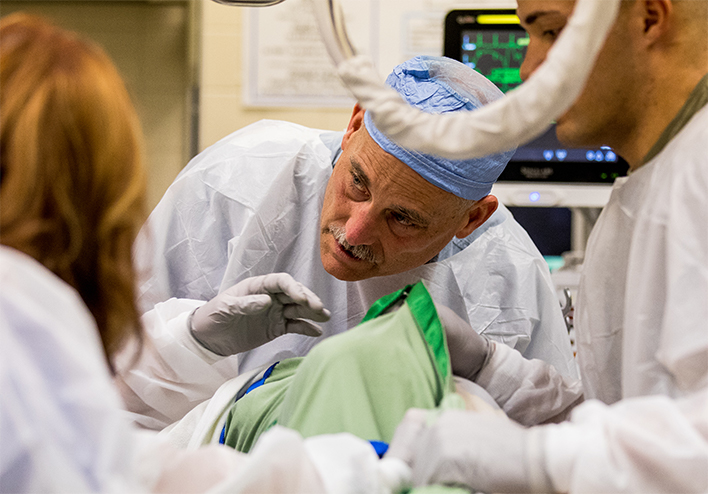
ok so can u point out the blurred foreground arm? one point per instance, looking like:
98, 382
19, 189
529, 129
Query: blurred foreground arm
642, 444
484, 451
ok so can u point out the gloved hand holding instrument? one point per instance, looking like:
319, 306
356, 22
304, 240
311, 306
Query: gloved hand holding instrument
256, 311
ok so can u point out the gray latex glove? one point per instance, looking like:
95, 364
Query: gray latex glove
256, 311
483, 451
469, 351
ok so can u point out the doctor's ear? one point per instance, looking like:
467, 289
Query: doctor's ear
355, 123
477, 215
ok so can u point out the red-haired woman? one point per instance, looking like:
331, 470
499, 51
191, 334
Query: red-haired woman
72, 193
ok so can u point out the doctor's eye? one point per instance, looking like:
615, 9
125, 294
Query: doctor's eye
402, 219
357, 187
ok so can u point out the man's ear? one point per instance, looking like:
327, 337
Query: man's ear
477, 215
656, 15
355, 123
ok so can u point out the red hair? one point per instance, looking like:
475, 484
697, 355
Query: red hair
72, 183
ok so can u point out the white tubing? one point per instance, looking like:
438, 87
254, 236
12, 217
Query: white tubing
330, 22
523, 114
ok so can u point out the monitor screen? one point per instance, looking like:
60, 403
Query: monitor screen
492, 42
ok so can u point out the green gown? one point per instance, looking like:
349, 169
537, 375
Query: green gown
361, 381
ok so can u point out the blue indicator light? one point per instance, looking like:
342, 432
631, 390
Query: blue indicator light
548, 154
590, 155
534, 196
561, 154
599, 156
610, 156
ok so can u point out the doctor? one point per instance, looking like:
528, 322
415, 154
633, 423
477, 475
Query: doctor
350, 215
642, 312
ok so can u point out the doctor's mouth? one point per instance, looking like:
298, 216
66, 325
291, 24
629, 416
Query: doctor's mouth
355, 252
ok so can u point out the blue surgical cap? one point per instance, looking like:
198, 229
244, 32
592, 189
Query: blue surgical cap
442, 85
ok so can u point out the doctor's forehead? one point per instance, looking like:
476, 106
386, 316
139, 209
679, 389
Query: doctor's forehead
532, 11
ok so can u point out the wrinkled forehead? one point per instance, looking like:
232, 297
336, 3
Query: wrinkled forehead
399, 183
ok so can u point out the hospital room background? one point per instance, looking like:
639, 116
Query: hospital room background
199, 70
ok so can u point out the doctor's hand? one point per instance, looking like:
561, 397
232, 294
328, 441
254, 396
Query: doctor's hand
469, 351
256, 311
484, 451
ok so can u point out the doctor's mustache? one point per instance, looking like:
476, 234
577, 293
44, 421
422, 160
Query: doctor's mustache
362, 252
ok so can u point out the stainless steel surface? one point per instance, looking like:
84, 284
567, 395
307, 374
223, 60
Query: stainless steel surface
567, 308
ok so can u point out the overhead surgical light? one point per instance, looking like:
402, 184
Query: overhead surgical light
250, 3
523, 114
330, 21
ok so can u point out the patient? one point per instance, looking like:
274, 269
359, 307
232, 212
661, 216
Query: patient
362, 381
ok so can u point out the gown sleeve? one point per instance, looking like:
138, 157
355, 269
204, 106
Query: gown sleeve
172, 373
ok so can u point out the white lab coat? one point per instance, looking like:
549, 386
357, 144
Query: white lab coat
642, 330
250, 205
61, 424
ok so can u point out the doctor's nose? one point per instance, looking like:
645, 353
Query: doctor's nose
535, 55
362, 225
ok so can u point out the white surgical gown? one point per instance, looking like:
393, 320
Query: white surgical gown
250, 205
61, 424
642, 330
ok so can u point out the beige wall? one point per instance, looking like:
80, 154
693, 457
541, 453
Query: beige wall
221, 109
166, 50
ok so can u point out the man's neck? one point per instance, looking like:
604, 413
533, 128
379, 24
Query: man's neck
663, 97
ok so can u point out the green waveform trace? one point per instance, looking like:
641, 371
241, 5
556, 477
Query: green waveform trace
498, 56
